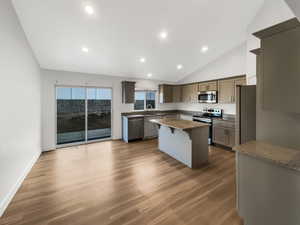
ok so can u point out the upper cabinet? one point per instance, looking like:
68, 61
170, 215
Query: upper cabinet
240, 81
208, 86
190, 93
279, 67
177, 93
128, 89
227, 89
165, 93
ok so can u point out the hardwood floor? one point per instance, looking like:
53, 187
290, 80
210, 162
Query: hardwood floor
113, 183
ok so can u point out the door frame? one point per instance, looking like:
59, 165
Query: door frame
86, 115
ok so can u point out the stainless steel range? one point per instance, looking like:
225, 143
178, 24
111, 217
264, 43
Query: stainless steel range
206, 117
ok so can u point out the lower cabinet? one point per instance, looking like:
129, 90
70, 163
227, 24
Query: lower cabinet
224, 133
150, 129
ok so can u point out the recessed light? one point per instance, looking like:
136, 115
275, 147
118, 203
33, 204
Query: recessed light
142, 60
89, 9
163, 35
84, 49
149, 75
179, 67
204, 49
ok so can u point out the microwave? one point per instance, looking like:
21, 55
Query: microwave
208, 97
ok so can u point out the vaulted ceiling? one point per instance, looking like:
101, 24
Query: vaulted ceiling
294, 6
119, 33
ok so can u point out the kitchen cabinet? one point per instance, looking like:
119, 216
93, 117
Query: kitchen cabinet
150, 129
194, 93
240, 81
208, 86
177, 93
280, 68
224, 133
190, 93
227, 89
139, 126
185, 93
220, 136
128, 91
165, 93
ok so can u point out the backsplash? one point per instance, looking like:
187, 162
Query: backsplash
228, 108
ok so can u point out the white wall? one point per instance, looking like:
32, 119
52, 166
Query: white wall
52, 78
20, 114
294, 6
230, 64
233, 63
278, 128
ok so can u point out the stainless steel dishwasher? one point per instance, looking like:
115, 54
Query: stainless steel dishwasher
133, 127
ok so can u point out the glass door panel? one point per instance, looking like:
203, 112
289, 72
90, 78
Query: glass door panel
98, 113
71, 121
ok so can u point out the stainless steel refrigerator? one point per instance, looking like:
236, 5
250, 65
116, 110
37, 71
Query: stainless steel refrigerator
245, 114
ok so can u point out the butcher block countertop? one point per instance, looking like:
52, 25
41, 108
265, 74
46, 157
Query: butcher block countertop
179, 124
286, 157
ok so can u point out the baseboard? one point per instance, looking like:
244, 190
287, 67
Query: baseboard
48, 149
117, 139
5, 202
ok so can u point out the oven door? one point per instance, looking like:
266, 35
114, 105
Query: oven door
208, 97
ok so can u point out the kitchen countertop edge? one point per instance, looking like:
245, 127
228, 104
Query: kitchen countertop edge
174, 123
284, 157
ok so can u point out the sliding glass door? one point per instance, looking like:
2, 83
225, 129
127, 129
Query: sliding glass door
99, 113
83, 114
70, 104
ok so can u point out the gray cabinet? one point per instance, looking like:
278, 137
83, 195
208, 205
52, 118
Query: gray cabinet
208, 86
227, 89
165, 93
150, 129
177, 93
224, 133
133, 128
128, 90
190, 93
280, 67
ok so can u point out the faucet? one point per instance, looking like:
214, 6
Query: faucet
147, 106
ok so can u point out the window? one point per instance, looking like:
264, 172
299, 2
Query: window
144, 100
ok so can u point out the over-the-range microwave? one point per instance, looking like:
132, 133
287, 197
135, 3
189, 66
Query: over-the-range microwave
208, 97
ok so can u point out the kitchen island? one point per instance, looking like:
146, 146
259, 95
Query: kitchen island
268, 181
184, 140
